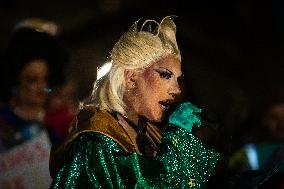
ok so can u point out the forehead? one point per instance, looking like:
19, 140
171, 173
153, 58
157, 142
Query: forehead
36, 66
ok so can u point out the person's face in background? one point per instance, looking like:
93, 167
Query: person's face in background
156, 88
274, 122
33, 80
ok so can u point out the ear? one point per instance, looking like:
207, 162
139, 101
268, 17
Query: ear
130, 77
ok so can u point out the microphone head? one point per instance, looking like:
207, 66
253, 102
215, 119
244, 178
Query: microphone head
210, 119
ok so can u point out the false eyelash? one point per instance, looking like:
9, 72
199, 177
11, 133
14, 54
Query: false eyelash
164, 74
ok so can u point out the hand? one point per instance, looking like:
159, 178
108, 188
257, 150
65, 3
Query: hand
186, 116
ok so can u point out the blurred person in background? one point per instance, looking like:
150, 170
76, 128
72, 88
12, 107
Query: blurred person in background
33, 65
62, 107
261, 158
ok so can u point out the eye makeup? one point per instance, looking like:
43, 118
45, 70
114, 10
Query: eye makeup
164, 73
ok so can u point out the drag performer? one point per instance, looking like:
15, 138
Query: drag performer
123, 136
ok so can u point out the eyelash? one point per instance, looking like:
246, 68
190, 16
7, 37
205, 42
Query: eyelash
164, 74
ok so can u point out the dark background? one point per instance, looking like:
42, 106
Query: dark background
231, 50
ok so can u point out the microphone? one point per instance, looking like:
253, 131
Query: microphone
210, 120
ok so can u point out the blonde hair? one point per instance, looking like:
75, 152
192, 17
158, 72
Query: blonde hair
135, 50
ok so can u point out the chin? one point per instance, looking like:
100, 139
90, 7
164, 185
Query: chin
154, 115
157, 118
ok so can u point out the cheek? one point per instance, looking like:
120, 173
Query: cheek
152, 92
29, 89
151, 89
152, 81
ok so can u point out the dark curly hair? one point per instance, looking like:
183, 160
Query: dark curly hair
27, 44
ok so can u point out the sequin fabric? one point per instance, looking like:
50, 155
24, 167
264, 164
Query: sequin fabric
187, 162
97, 161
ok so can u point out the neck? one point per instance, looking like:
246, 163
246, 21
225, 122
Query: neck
134, 118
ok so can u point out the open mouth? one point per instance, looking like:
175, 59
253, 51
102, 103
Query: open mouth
165, 104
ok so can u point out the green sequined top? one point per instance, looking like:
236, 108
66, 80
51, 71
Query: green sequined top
98, 159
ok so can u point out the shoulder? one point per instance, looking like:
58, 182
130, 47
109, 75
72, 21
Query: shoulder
91, 137
87, 143
94, 141
91, 119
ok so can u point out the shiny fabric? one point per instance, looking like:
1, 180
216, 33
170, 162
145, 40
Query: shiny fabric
95, 160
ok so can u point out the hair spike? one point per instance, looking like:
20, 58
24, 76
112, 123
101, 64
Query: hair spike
158, 24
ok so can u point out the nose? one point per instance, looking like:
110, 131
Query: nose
39, 84
175, 90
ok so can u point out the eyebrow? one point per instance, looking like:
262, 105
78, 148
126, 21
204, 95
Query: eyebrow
167, 70
172, 72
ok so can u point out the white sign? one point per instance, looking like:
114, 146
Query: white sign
26, 166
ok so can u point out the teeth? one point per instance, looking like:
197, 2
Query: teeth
164, 105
